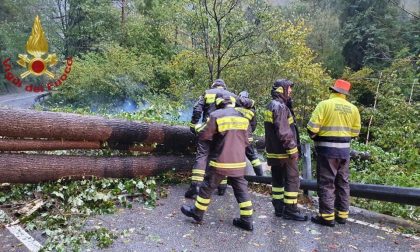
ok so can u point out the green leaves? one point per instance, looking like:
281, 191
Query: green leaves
68, 204
385, 168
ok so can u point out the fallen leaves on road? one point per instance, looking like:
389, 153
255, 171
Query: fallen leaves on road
353, 247
333, 246
312, 231
30, 207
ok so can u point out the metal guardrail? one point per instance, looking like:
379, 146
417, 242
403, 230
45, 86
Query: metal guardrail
403, 195
42, 97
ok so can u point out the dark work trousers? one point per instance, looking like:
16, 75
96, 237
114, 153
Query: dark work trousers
285, 181
251, 154
200, 164
333, 184
240, 190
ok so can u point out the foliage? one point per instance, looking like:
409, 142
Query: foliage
374, 33
385, 168
395, 122
108, 77
68, 204
151, 108
322, 17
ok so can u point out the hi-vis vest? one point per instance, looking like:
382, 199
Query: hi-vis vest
335, 121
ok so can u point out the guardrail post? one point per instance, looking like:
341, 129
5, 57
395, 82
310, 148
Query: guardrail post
307, 163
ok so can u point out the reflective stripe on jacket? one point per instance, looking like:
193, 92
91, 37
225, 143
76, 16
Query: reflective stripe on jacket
228, 130
250, 115
280, 134
207, 104
334, 121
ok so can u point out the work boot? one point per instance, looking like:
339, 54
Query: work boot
321, 221
291, 212
192, 192
340, 220
243, 223
221, 190
278, 207
191, 211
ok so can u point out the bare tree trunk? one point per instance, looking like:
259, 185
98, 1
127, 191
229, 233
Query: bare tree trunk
32, 145
50, 125
412, 90
123, 14
374, 108
22, 168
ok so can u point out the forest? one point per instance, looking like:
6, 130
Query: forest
150, 60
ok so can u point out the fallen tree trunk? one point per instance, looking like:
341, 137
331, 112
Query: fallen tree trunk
49, 145
33, 145
19, 123
22, 168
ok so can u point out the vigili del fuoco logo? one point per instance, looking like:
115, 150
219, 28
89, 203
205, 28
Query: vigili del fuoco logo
36, 64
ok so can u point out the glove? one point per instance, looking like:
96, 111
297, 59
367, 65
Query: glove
258, 170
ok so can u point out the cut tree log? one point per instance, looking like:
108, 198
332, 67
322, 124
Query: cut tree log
20, 123
23, 168
49, 145
33, 145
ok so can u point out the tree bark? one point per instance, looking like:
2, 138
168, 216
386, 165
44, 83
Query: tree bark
33, 145
22, 168
21, 123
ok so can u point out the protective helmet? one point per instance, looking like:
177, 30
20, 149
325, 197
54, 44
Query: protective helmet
341, 86
218, 83
222, 100
281, 87
244, 94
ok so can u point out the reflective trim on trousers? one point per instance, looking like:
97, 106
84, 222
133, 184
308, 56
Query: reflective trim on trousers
329, 217
342, 214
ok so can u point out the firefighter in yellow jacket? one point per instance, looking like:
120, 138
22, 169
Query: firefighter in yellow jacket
332, 125
227, 129
282, 151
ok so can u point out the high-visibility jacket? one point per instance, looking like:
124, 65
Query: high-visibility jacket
243, 106
280, 132
334, 121
207, 104
227, 128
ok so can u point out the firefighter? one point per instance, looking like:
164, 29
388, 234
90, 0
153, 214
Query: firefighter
246, 107
249, 112
227, 129
282, 152
332, 125
203, 107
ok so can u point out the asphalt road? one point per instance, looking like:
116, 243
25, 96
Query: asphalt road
22, 100
166, 229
